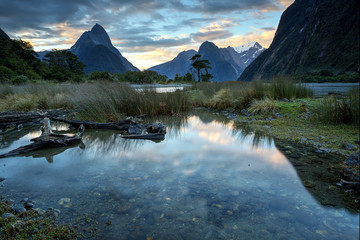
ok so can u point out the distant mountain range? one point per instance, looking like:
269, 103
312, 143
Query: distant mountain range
313, 35
227, 63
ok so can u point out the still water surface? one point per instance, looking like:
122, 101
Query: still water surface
206, 180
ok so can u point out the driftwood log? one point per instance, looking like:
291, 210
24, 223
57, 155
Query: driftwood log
11, 118
123, 125
135, 130
47, 139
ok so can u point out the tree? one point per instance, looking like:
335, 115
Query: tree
17, 57
64, 65
199, 64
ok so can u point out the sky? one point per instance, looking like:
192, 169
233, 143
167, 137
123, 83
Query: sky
146, 32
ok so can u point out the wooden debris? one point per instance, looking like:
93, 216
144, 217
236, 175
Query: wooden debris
11, 118
47, 139
150, 136
122, 125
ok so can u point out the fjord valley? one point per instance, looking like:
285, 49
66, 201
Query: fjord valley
195, 130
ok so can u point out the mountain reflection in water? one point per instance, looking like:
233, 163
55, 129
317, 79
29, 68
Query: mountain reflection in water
208, 179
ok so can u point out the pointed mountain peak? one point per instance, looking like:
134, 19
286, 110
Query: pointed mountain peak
97, 28
100, 36
207, 45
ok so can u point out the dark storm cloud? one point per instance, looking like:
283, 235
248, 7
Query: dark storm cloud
223, 6
20, 14
135, 22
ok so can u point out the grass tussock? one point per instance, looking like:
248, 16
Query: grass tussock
240, 95
112, 100
346, 110
263, 106
222, 99
284, 87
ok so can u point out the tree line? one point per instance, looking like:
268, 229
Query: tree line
19, 63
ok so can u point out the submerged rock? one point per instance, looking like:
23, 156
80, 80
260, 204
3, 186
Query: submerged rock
348, 146
7, 215
351, 171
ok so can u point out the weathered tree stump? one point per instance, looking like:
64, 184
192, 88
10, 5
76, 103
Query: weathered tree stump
47, 139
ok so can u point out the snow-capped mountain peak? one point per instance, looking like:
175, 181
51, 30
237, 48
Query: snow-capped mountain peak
247, 46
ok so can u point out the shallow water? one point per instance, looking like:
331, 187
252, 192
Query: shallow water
206, 180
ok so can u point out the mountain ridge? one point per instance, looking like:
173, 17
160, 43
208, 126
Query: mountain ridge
312, 36
227, 63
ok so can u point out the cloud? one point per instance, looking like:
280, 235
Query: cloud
215, 30
264, 36
138, 26
146, 44
226, 6
285, 3
209, 36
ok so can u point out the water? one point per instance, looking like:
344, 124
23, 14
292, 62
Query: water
159, 88
322, 89
206, 180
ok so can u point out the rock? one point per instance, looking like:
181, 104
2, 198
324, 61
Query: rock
156, 127
66, 202
309, 184
244, 112
2, 179
348, 146
303, 139
7, 215
351, 169
134, 129
18, 210
28, 205
285, 100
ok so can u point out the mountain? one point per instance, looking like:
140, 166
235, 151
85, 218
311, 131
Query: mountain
249, 51
313, 35
179, 65
227, 63
95, 50
3, 34
223, 63
41, 54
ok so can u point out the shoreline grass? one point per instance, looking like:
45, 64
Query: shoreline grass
105, 101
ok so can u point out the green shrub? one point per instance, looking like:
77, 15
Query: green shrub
97, 75
20, 79
5, 74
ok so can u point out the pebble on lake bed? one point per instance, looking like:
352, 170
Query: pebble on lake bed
65, 202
